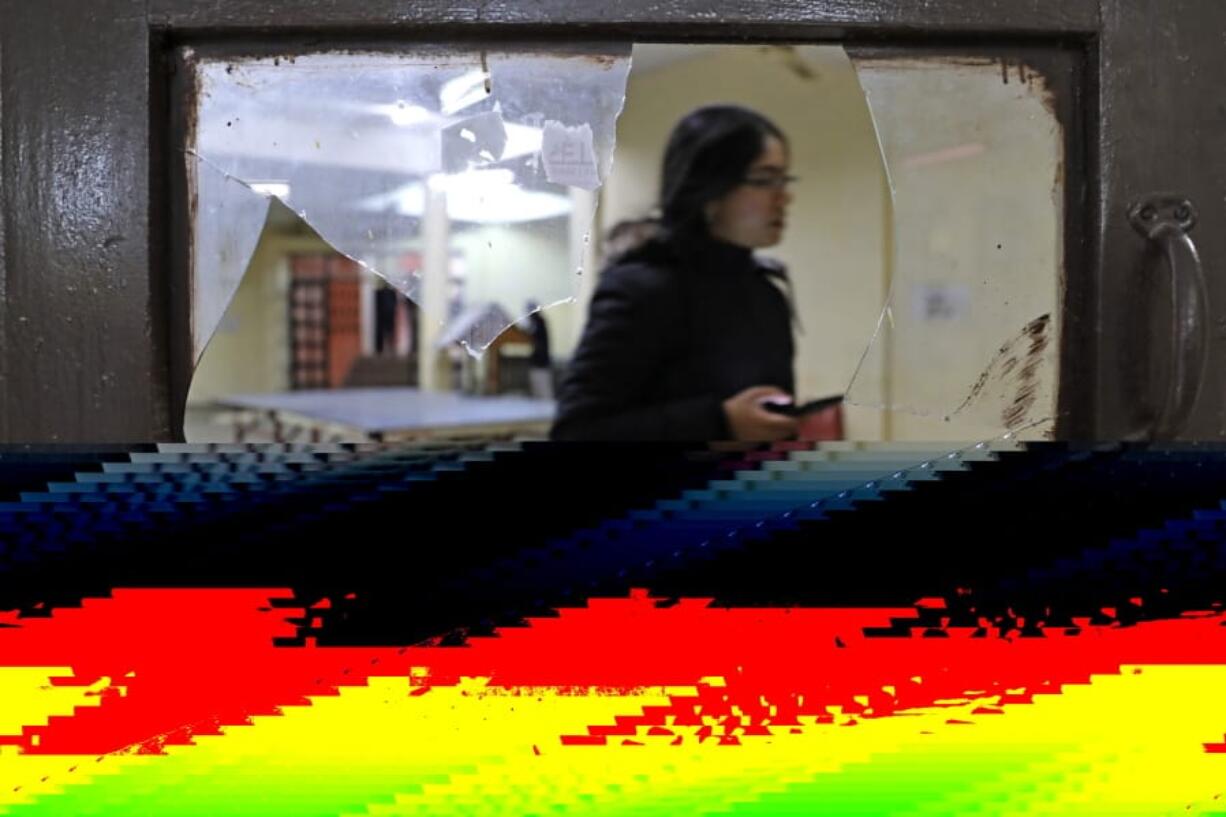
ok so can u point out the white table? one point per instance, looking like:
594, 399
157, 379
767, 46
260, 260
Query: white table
390, 414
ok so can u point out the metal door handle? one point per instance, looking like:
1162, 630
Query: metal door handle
1165, 220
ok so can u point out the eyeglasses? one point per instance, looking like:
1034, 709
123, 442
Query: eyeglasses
773, 182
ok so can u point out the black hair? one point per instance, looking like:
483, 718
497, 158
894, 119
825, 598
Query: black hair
707, 156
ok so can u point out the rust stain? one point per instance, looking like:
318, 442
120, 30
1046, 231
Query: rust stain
192, 96
1038, 326
191, 133
982, 382
1028, 75
1025, 350
1016, 412
893, 60
1047, 92
1028, 382
793, 62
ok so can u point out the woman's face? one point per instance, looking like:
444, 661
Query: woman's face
754, 214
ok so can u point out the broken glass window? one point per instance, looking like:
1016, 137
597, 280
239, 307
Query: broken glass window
934, 184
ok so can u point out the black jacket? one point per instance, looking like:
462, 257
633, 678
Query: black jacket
669, 337
540, 342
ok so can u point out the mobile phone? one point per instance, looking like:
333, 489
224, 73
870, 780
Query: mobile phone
800, 410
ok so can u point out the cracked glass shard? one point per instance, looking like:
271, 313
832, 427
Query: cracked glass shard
482, 161
967, 343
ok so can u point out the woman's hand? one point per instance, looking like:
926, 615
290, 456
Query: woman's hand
749, 421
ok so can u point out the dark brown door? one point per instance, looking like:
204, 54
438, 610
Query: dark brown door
94, 311
1161, 180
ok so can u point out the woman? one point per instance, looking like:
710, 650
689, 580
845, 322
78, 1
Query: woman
689, 335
